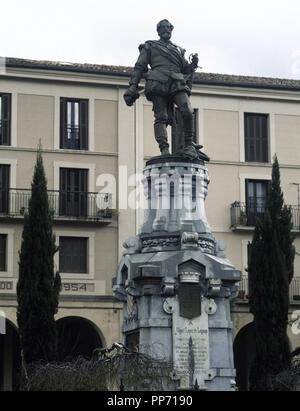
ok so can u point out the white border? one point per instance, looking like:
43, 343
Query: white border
14, 120
56, 122
9, 252
91, 254
242, 135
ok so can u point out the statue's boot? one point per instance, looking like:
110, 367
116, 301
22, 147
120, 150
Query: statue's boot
161, 136
190, 149
190, 152
197, 146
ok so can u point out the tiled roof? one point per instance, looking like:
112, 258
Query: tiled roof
199, 78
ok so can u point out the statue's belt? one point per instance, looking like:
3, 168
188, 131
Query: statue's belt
164, 75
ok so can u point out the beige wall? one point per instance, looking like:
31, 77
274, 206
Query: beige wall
234, 247
221, 134
35, 120
288, 176
105, 248
106, 255
104, 165
288, 139
26, 161
130, 146
106, 126
222, 191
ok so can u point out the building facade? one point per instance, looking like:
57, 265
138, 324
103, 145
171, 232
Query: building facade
90, 138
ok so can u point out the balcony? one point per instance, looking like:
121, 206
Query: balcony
294, 291
243, 217
65, 205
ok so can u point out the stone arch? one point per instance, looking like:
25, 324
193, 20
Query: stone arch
10, 358
77, 336
244, 352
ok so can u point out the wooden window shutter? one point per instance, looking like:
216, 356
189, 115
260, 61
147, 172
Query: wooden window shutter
256, 137
83, 190
73, 254
62, 191
4, 188
83, 180
63, 123
83, 118
5, 117
250, 137
4, 176
82, 254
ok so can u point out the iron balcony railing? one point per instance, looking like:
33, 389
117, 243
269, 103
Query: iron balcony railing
294, 290
246, 216
74, 205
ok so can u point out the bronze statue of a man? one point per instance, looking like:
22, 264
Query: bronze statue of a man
167, 83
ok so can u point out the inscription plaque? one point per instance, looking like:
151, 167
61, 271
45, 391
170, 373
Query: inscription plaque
190, 348
78, 287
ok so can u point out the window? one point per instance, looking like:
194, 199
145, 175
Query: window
4, 188
73, 254
5, 111
178, 127
256, 199
73, 192
73, 124
3, 246
256, 137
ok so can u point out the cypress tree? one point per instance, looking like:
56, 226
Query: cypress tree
38, 287
281, 217
270, 272
269, 301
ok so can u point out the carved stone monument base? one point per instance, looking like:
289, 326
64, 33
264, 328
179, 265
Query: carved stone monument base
176, 282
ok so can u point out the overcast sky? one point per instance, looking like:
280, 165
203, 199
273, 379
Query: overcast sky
257, 37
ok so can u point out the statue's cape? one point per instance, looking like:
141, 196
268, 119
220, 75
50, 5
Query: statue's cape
174, 53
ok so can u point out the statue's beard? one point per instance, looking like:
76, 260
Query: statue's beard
165, 36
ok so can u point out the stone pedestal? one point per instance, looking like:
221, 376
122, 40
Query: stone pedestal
176, 282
